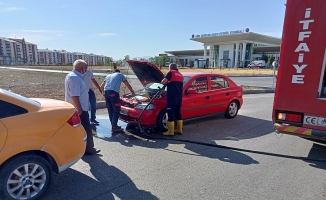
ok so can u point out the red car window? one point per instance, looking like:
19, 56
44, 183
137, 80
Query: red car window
218, 82
200, 84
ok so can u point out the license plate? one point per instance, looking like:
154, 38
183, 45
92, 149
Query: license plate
124, 112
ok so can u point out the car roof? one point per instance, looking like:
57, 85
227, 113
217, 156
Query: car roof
17, 99
199, 73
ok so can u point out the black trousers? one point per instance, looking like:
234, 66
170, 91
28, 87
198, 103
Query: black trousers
113, 105
84, 117
173, 106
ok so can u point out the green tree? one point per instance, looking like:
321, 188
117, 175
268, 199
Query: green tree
264, 57
165, 59
271, 60
109, 61
100, 63
119, 62
152, 60
126, 58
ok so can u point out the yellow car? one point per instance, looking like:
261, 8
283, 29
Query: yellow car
37, 137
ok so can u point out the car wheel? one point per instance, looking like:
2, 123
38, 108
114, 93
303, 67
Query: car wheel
162, 121
25, 177
232, 110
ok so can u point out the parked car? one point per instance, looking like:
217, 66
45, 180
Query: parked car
257, 64
204, 94
37, 137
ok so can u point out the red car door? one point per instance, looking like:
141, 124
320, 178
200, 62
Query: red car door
219, 93
196, 104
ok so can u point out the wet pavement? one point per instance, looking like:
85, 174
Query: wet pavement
130, 132
130, 168
103, 129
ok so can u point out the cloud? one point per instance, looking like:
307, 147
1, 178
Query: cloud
35, 36
106, 34
41, 31
272, 33
36, 31
11, 9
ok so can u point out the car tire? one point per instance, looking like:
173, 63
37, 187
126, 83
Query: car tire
161, 121
232, 110
34, 172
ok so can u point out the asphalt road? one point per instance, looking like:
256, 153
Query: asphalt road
254, 81
247, 81
131, 168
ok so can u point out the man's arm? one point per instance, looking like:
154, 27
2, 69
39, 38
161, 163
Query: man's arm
102, 87
166, 78
77, 105
74, 92
129, 86
164, 81
97, 85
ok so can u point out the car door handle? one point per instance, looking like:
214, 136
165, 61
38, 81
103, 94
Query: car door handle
207, 97
228, 93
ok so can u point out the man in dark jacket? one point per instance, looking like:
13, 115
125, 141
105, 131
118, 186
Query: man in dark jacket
174, 82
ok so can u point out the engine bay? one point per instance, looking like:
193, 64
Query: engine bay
143, 96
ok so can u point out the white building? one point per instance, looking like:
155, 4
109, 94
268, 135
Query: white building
15, 51
228, 49
62, 57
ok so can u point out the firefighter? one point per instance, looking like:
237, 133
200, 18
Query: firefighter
174, 82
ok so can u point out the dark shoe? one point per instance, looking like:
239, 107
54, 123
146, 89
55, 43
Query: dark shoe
94, 121
93, 151
116, 129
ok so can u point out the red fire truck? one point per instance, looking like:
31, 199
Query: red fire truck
300, 95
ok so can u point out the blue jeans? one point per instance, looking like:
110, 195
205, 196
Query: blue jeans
113, 105
92, 101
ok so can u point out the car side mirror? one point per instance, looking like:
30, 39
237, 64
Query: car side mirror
191, 91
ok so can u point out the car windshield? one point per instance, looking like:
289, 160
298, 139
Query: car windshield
152, 88
186, 79
22, 98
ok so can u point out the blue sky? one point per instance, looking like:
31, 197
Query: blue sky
137, 28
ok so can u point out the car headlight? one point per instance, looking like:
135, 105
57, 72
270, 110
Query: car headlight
142, 106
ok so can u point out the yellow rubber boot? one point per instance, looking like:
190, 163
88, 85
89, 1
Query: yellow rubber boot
179, 127
170, 129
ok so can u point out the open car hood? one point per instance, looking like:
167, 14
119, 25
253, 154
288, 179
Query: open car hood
146, 72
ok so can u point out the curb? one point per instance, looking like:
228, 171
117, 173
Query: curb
102, 104
258, 91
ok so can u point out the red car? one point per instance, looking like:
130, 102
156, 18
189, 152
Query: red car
204, 94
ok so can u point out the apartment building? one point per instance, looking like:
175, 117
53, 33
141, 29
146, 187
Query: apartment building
15, 51
50, 57
63, 57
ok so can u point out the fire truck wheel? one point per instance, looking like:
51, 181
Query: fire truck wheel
232, 110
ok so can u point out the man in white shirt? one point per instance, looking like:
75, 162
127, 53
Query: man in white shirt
89, 81
76, 93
